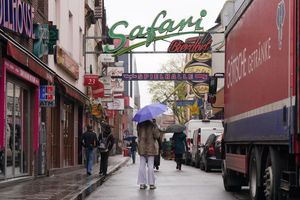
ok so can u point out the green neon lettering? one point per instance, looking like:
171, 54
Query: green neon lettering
139, 34
151, 30
116, 36
150, 33
169, 28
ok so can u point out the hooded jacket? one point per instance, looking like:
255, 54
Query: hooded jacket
148, 133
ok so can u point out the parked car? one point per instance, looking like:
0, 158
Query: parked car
200, 136
193, 126
210, 157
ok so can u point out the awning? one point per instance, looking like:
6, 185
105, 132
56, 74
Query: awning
72, 91
24, 58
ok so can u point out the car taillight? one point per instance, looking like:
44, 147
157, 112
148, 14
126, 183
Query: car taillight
199, 139
188, 141
211, 150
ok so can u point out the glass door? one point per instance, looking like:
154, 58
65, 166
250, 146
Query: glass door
17, 130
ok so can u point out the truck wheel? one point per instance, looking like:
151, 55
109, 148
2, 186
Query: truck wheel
254, 173
272, 175
229, 180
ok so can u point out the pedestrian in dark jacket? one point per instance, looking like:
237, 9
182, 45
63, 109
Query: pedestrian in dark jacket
179, 147
107, 140
89, 142
133, 148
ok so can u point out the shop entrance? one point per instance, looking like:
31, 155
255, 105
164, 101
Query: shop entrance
17, 149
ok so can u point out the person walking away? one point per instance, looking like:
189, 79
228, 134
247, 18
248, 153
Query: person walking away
106, 142
179, 147
133, 149
148, 134
89, 142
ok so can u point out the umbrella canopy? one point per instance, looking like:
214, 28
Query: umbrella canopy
130, 138
149, 112
175, 128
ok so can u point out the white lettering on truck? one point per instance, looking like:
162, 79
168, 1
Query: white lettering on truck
243, 64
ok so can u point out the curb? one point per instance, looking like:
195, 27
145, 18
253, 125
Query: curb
88, 189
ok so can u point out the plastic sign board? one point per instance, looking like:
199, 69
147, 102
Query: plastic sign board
17, 16
41, 41
47, 96
185, 102
159, 29
107, 58
199, 77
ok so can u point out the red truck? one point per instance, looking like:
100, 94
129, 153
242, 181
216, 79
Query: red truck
261, 144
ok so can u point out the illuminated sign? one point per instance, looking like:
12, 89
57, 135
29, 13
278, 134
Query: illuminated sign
199, 77
47, 96
199, 44
165, 27
17, 16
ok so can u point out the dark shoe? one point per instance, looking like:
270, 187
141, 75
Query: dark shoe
143, 186
89, 173
152, 187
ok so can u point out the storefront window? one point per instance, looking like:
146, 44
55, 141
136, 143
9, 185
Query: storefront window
17, 133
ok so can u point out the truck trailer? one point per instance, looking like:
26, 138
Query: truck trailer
261, 145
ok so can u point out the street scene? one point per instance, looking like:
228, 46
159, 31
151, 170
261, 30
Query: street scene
140, 99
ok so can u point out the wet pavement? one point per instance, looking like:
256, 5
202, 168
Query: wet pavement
172, 184
71, 185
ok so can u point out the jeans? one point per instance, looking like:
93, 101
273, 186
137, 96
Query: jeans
89, 159
133, 156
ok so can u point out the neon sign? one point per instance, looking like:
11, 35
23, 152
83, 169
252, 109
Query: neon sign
17, 16
150, 33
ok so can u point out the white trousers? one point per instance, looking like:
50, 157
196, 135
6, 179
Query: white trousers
146, 164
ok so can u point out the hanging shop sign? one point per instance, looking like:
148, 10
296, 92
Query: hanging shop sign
40, 43
90, 79
199, 77
53, 37
164, 28
47, 96
107, 58
66, 62
17, 16
117, 104
184, 102
117, 84
200, 63
98, 90
199, 44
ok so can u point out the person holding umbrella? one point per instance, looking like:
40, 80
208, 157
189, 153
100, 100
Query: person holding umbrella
148, 134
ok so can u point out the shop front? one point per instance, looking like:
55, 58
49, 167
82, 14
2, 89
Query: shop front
19, 120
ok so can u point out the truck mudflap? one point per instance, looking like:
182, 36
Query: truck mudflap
288, 185
237, 162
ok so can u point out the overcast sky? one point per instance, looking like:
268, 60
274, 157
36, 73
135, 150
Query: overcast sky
143, 12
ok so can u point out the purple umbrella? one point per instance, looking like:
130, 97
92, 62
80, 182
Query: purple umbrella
149, 112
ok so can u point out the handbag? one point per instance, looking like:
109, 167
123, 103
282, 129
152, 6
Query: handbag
103, 147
